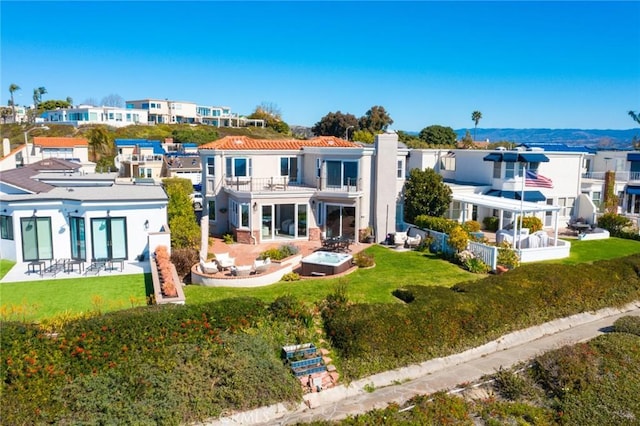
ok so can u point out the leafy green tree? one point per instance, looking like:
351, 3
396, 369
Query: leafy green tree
185, 232
53, 104
100, 142
375, 120
438, 136
37, 98
476, 116
12, 89
5, 112
410, 140
270, 113
334, 124
467, 141
363, 136
425, 194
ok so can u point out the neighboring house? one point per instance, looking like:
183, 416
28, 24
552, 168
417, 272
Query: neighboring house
626, 167
48, 210
12, 158
139, 158
223, 117
70, 149
266, 190
165, 111
87, 114
21, 115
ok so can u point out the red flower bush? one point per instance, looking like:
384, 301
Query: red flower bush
163, 262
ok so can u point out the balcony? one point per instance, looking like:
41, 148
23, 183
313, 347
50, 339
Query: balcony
283, 183
621, 176
140, 159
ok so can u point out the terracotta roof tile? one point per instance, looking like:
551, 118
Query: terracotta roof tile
240, 143
55, 142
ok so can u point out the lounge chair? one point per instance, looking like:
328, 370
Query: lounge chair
225, 261
261, 266
414, 241
400, 239
208, 267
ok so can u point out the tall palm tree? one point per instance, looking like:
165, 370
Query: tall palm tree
635, 116
12, 88
475, 116
37, 98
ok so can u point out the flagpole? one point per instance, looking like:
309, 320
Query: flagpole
524, 178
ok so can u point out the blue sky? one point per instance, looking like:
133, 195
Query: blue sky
522, 64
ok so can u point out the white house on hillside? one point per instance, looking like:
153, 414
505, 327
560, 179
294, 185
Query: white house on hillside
87, 114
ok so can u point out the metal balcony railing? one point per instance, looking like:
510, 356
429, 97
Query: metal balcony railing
623, 176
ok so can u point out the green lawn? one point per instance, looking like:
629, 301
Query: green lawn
590, 251
393, 269
35, 300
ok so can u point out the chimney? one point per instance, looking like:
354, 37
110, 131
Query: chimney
6, 147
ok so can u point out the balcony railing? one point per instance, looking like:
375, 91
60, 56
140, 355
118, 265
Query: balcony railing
137, 158
283, 183
624, 176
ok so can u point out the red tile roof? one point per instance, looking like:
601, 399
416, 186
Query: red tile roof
53, 142
233, 143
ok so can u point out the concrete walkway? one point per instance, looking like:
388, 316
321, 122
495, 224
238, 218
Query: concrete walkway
435, 375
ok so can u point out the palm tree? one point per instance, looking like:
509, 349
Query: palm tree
37, 98
475, 116
100, 142
12, 88
635, 116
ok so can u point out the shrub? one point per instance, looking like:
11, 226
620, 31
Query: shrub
404, 295
507, 256
458, 238
471, 226
291, 276
279, 253
439, 224
627, 324
363, 260
491, 223
289, 307
533, 223
183, 259
228, 238
614, 223
471, 263
509, 385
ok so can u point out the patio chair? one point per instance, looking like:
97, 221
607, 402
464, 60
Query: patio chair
208, 267
225, 261
400, 239
414, 242
261, 266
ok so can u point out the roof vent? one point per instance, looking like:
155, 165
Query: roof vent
238, 142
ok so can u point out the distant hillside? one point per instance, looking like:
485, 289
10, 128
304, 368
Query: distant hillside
613, 139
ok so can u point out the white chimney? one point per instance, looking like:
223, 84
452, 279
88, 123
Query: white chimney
6, 147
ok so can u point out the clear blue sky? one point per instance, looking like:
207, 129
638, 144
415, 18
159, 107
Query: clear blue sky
522, 64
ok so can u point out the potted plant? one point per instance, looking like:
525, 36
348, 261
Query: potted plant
367, 235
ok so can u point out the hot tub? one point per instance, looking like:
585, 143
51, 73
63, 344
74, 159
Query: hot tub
325, 263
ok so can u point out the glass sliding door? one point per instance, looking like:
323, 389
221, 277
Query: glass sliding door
109, 238
37, 242
341, 221
266, 231
78, 241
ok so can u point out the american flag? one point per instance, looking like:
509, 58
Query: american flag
534, 179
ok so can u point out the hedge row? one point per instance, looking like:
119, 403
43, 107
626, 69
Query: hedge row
439, 321
159, 365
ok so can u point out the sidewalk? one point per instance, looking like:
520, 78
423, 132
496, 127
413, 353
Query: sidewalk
435, 375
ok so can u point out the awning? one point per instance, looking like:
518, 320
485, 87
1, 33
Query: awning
493, 157
633, 156
517, 157
532, 157
633, 190
532, 196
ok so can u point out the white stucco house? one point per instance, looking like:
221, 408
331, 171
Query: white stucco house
50, 211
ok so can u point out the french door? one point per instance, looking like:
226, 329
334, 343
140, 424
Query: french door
109, 238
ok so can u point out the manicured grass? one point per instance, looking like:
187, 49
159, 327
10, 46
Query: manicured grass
393, 269
591, 251
5, 266
35, 300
